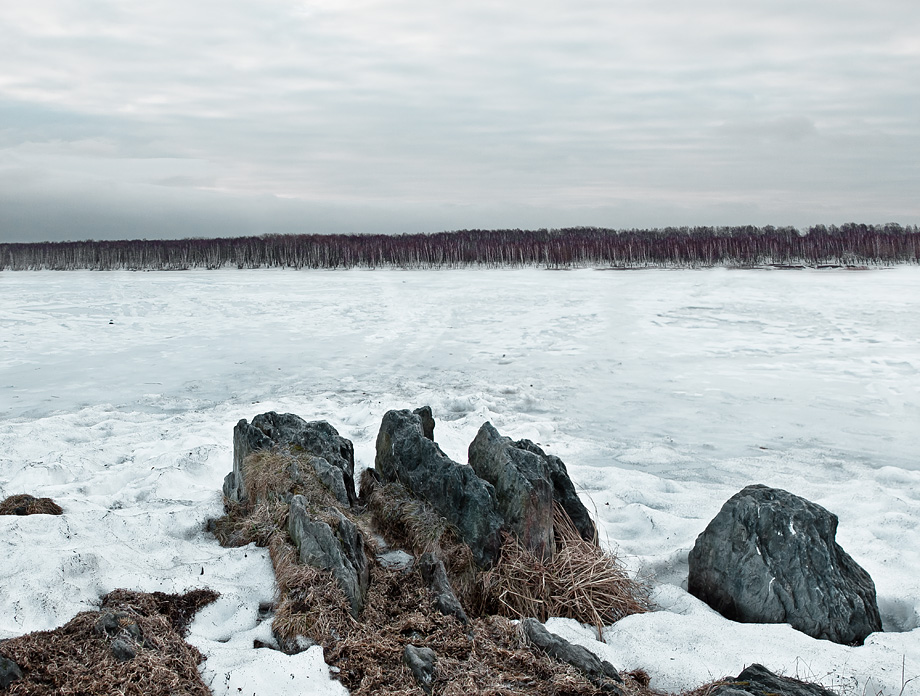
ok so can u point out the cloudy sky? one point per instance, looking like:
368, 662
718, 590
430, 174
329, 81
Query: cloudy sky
161, 118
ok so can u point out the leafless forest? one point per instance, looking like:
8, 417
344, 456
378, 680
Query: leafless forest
685, 247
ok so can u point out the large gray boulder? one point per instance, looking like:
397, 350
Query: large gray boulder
316, 438
757, 680
600, 672
405, 455
771, 557
339, 550
522, 487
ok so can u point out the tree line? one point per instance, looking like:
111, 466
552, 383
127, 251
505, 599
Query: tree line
850, 244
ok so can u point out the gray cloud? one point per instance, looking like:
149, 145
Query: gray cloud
366, 115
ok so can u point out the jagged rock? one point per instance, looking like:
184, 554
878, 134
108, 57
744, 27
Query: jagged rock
123, 650
600, 672
771, 557
757, 680
331, 477
340, 551
522, 487
404, 454
427, 419
9, 672
435, 576
564, 492
316, 438
421, 662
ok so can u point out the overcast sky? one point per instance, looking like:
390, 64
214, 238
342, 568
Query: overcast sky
161, 118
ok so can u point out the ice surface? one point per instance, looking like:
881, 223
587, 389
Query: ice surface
665, 392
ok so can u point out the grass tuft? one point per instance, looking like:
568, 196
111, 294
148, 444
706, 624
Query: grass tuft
25, 504
581, 581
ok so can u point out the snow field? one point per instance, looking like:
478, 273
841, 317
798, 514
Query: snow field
665, 392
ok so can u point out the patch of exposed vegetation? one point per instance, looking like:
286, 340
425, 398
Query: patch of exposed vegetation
490, 655
133, 646
25, 504
580, 581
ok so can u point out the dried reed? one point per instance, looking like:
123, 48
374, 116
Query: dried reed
581, 581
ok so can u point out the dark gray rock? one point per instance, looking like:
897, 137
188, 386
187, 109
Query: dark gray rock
522, 487
600, 672
114, 623
331, 477
9, 672
123, 650
757, 680
564, 491
427, 419
340, 551
404, 454
421, 662
316, 438
771, 557
435, 576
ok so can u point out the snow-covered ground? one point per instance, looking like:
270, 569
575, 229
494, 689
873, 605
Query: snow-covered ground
664, 391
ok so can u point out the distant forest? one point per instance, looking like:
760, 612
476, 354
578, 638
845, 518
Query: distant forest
671, 247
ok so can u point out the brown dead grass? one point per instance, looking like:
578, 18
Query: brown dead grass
77, 660
489, 655
25, 504
409, 523
581, 581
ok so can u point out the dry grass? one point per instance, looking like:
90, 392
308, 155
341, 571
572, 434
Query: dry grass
76, 659
25, 504
581, 581
488, 656
407, 522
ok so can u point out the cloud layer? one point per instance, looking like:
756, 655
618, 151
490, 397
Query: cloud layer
241, 117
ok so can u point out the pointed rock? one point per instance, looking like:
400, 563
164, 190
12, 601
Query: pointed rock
404, 454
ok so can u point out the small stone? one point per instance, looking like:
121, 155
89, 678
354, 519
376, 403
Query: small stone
123, 650
421, 662
435, 576
9, 672
395, 560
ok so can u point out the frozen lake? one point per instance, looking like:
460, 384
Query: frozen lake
664, 391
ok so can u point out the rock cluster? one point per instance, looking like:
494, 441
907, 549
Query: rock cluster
768, 556
405, 455
507, 485
771, 557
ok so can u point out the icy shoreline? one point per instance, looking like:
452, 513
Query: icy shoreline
665, 394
